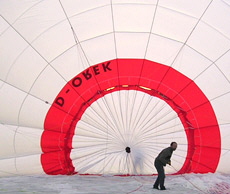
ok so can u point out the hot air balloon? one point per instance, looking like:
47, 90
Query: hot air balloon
100, 87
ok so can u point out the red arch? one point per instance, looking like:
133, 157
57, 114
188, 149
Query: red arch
181, 93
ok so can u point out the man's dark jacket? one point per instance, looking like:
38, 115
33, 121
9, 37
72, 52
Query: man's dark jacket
164, 156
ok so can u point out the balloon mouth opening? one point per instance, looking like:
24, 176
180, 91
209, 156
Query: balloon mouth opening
181, 115
128, 149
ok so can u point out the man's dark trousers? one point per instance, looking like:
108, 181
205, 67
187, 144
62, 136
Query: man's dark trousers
161, 174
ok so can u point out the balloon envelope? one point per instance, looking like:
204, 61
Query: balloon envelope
101, 87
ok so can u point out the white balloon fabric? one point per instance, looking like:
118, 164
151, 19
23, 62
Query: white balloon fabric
101, 87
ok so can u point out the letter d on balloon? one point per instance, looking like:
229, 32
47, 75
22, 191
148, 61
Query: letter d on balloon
60, 101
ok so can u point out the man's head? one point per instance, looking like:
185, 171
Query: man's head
173, 145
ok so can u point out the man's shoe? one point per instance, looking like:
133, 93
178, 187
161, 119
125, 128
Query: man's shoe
155, 187
162, 188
